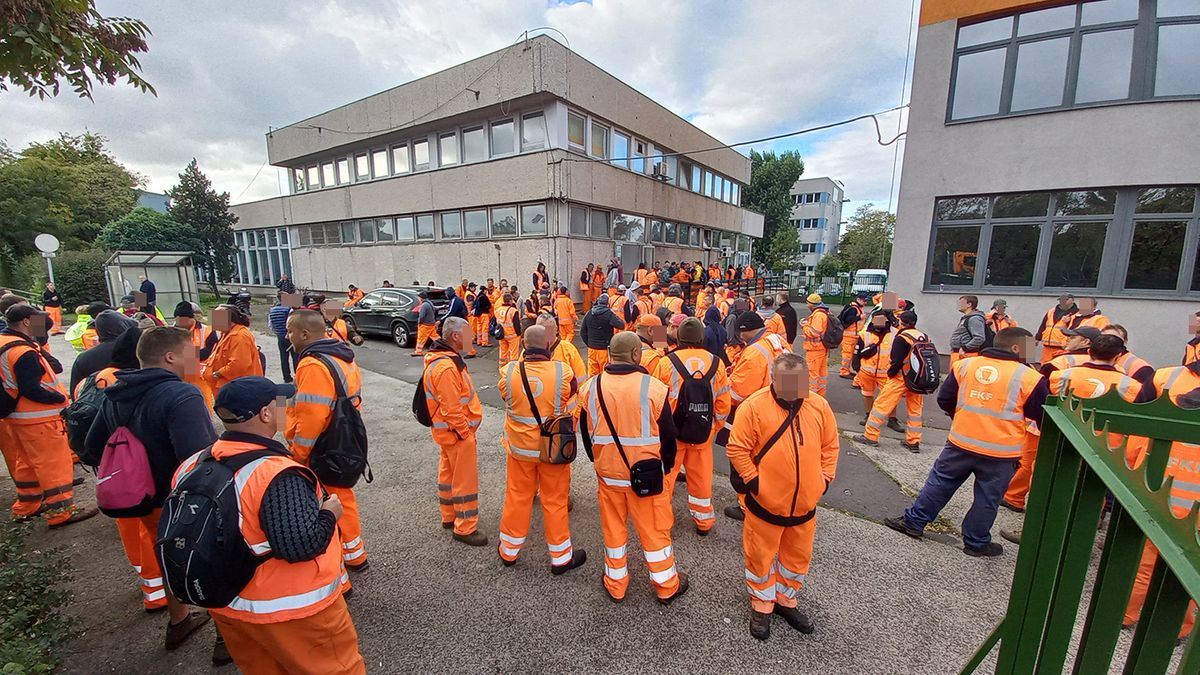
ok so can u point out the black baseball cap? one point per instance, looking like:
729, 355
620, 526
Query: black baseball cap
1083, 331
750, 321
241, 399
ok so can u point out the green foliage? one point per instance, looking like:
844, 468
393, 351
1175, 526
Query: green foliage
145, 229
78, 275
829, 266
44, 43
34, 629
782, 251
771, 180
868, 242
195, 204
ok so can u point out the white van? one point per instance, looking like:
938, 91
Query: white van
869, 281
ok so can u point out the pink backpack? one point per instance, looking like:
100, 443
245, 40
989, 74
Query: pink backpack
124, 483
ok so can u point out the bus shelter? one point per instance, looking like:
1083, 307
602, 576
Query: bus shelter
171, 271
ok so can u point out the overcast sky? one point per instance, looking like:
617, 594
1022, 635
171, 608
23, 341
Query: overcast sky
225, 71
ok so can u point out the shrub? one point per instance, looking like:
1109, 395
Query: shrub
79, 276
34, 630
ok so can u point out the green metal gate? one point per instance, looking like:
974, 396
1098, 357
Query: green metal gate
1075, 471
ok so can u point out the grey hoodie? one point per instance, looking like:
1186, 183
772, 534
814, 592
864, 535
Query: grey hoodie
970, 332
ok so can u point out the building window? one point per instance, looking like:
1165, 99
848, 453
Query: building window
684, 179
671, 233
708, 183
696, 185
1076, 250
533, 132
425, 227
578, 216
1156, 254
599, 224
475, 224
474, 145
656, 231
400, 229
362, 167
629, 228
333, 235
343, 171
1088, 53
328, 175
638, 161
576, 131
533, 219
367, 231
735, 195
400, 159
694, 235
305, 236
620, 150
420, 154
314, 177
1009, 262
504, 221
298, 180
955, 250
502, 138
348, 233
599, 140
448, 149
379, 163
451, 225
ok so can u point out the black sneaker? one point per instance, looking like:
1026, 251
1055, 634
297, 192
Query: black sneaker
577, 558
1010, 507
795, 618
900, 524
760, 625
735, 512
912, 447
704, 533
894, 425
681, 477
683, 588
359, 568
990, 551
863, 421
861, 438
448, 525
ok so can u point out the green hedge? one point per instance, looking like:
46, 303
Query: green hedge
79, 276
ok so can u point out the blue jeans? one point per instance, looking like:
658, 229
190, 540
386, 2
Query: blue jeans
286, 354
949, 471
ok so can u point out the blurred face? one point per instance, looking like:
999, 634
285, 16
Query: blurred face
790, 384
460, 338
1000, 310
1065, 302
1077, 343
50, 286
1087, 305
1194, 324
879, 321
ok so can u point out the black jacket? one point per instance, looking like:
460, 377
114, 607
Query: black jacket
791, 324
666, 421
51, 298
715, 337
483, 304
109, 326
165, 413
28, 372
151, 292
599, 325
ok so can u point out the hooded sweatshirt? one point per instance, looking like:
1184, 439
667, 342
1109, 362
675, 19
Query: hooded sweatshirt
715, 337
109, 326
335, 348
165, 413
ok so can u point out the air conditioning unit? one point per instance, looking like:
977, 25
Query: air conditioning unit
726, 251
660, 172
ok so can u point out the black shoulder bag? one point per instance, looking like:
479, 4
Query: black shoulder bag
646, 476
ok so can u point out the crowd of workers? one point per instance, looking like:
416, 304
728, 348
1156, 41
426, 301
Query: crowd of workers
708, 362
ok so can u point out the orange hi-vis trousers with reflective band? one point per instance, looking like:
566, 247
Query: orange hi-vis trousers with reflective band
652, 519
39, 461
888, 400
483, 322
55, 320
777, 560
424, 333
597, 359
137, 538
818, 369
325, 643
1018, 487
566, 330
349, 527
697, 459
849, 341
458, 485
553, 483
509, 349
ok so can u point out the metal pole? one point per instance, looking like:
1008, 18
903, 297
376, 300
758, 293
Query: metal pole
50, 269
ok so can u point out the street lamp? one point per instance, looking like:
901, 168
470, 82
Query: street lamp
48, 245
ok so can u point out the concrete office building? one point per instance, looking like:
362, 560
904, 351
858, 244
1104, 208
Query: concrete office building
817, 213
527, 154
1052, 147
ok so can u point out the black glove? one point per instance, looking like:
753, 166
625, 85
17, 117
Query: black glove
752, 486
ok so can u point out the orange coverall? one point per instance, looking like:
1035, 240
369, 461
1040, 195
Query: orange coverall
815, 351
564, 309
456, 413
236, 355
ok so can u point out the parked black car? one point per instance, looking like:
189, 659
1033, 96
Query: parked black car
392, 311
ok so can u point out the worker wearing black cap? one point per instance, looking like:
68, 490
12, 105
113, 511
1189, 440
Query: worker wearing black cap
205, 339
1079, 340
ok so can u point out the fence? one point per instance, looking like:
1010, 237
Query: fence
1075, 473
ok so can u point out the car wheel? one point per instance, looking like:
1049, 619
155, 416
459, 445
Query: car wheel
401, 335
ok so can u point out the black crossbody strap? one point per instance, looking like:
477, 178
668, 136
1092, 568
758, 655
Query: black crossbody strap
608, 420
529, 392
778, 434
335, 373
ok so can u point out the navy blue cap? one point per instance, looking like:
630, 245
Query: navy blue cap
243, 398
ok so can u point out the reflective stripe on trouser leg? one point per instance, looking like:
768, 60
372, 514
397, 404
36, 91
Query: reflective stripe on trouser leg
652, 520
521, 485
29, 491
554, 486
697, 459
915, 404
885, 402
760, 546
43, 446
354, 552
613, 512
818, 369
445, 497
138, 544
463, 466
792, 561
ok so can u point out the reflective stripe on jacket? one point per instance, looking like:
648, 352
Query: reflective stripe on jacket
989, 416
567, 353
636, 424
1053, 330
814, 329
27, 411
453, 405
696, 360
555, 395
877, 365
752, 370
311, 409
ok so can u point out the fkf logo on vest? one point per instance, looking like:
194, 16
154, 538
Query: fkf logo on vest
985, 375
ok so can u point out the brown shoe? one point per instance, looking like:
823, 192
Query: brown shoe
683, 588
80, 515
476, 538
178, 633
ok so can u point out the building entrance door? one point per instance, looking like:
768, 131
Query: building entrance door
631, 256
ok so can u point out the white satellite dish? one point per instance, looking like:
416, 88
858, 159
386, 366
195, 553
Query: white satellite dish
46, 243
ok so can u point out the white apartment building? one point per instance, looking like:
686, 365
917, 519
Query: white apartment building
817, 213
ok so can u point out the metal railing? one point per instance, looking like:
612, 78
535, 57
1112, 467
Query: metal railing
1075, 474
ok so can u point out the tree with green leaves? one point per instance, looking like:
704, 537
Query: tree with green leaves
829, 266
145, 229
47, 43
196, 205
867, 244
771, 179
782, 251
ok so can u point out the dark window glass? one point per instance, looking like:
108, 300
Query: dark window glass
1166, 200
1085, 202
425, 226
504, 222
475, 223
366, 231
1155, 255
1178, 53
1041, 73
977, 83
1012, 255
348, 233
671, 233
988, 31
579, 221
955, 250
1075, 253
1046, 20
1104, 63
961, 208
1196, 271
1021, 206
656, 230
600, 224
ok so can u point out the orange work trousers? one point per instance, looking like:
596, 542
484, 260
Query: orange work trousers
137, 538
652, 519
1141, 584
889, 399
509, 349
869, 383
849, 341
697, 459
354, 553
458, 484
483, 322
1018, 487
200, 383
424, 334
40, 455
566, 331
818, 369
588, 297
55, 320
777, 560
597, 359
322, 644
525, 480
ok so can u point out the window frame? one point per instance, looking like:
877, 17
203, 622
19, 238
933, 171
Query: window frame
408, 159
386, 153
516, 130
540, 116
521, 219
492, 221
586, 126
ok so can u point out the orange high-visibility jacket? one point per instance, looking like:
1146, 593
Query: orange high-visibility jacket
775, 325
747, 272
617, 305
585, 280
1051, 333
564, 309
565, 352
1132, 365
1095, 320
794, 473
554, 390
989, 415
1183, 464
681, 277
1092, 380
311, 409
651, 278
1068, 360
450, 392
1191, 352
279, 591
28, 411
236, 355
714, 272
703, 300
338, 330
998, 322
656, 300
598, 278
696, 361
650, 356
506, 316
725, 305
353, 297
814, 328
635, 425
752, 370
644, 305
674, 304
877, 364
90, 338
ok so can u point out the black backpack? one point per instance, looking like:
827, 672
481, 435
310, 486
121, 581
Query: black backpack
832, 337
79, 417
989, 335
924, 367
339, 456
694, 412
204, 557
420, 405
8, 404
